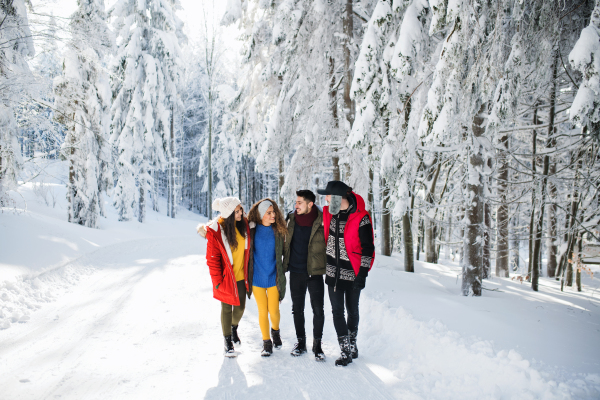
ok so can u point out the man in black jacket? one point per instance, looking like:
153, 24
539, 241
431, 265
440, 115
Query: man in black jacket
305, 259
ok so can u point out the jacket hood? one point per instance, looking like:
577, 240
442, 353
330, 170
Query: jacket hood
360, 202
214, 224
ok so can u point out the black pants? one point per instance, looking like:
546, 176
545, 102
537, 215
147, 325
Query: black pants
299, 283
350, 298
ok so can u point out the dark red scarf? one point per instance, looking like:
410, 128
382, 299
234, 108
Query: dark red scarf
306, 219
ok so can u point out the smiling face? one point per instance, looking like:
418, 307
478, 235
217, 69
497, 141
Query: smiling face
303, 206
269, 217
239, 212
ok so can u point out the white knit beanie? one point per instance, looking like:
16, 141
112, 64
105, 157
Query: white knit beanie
226, 205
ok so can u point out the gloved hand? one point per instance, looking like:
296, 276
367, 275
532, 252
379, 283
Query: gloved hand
360, 279
359, 282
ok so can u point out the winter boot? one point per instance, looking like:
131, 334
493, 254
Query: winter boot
319, 355
346, 356
234, 335
267, 348
300, 347
229, 351
353, 348
276, 338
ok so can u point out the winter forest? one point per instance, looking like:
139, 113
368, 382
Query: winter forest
470, 127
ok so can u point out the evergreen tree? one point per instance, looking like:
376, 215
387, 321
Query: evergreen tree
83, 100
585, 58
145, 85
15, 78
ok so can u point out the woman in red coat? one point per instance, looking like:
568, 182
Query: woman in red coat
227, 254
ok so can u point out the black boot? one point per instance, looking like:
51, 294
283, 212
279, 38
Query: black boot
267, 348
317, 350
353, 348
346, 356
276, 338
229, 351
234, 335
300, 347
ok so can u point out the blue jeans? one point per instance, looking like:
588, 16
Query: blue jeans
350, 297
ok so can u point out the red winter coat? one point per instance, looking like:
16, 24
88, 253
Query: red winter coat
220, 263
351, 239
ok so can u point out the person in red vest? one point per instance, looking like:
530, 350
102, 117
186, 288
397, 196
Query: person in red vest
350, 256
227, 255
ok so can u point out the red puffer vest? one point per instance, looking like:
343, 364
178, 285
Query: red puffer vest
351, 239
219, 260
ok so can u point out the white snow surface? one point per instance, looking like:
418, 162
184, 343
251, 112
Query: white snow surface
126, 311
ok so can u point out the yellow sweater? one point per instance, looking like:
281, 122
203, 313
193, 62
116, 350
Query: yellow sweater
238, 255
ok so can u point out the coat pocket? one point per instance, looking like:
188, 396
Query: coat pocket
226, 285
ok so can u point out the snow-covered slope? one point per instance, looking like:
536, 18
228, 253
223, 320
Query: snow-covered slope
126, 311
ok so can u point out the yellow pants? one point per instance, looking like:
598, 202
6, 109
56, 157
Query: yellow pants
267, 301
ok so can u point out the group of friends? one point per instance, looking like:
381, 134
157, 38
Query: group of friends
251, 254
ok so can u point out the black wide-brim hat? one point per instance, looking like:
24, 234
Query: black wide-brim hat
336, 188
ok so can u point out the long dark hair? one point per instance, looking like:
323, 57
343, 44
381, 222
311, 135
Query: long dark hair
278, 226
229, 225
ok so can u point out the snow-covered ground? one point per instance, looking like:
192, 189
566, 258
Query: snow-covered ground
126, 311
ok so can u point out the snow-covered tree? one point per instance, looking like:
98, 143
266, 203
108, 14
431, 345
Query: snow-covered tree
585, 58
83, 101
15, 77
146, 73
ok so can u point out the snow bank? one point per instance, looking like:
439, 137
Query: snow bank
427, 360
42, 255
27, 293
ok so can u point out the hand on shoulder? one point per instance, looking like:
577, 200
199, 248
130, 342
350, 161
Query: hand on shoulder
201, 229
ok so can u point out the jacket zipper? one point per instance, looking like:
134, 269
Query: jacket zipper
232, 274
337, 252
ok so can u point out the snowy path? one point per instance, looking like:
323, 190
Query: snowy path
139, 322
144, 325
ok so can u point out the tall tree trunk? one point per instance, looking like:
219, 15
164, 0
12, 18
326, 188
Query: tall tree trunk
502, 219
209, 197
537, 248
429, 238
73, 214
578, 272
487, 221
142, 203
535, 264
516, 242
561, 264
335, 159
552, 229
386, 219
281, 181
533, 188
420, 235
348, 26
407, 238
386, 215
472, 262
447, 247
172, 164
567, 258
